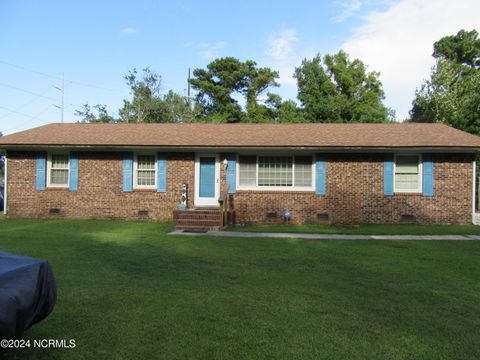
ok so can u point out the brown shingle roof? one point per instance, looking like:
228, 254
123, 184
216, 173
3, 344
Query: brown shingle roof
245, 135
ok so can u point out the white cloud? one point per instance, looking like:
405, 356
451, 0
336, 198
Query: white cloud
281, 54
128, 30
398, 42
210, 50
348, 8
280, 44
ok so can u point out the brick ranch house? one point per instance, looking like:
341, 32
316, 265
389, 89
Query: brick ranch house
336, 173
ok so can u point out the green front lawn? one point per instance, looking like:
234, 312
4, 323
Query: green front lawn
126, 290
366, 229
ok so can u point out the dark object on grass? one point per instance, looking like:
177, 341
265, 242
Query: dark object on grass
27, 293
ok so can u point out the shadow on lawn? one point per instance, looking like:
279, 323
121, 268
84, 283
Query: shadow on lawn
148, 294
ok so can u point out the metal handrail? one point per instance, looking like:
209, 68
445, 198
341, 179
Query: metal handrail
223, 201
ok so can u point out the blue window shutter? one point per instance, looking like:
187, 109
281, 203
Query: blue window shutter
232, 172
73, 172
320, 169
41, 171
388, 175
161, 173
127, 172
427, 175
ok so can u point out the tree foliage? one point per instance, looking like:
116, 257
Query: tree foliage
332, 89
94, 114
284, 111
224, 78
452, 94
336, 89
147, 104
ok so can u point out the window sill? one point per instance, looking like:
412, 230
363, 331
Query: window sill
408, 193
144, 190
280, 191
57, 188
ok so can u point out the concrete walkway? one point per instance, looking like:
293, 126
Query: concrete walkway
245, 234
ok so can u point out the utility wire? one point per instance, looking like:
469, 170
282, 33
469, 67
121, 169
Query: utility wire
56, 77
27, 91
36, 117
23, 114
27, 103
32, 93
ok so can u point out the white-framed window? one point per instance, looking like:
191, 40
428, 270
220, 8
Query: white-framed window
268, 172
408, 173
145, 171
58, 170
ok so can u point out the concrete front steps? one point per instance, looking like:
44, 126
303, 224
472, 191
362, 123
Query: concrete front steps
199, 219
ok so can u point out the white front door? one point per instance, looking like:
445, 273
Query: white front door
207, 179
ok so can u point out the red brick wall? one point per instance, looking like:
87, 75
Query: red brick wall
354, 195
354, 192
100, 189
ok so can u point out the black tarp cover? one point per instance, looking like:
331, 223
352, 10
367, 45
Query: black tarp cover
27, 293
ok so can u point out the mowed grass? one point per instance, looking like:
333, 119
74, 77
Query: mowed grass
365, 229
127, 290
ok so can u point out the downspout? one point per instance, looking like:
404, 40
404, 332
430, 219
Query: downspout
474, 217
5, 183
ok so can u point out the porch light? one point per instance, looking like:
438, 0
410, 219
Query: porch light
225, 163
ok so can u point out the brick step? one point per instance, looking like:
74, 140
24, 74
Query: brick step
196, 212
198, 222
199, 216
201, 211
197, 219
196, 228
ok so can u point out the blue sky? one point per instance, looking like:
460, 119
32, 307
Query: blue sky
95, 43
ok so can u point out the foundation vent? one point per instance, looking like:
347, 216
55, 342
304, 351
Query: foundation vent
142, 213
407, 219
272, 215
54, 211
322, 218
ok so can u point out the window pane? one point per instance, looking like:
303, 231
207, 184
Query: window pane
248, 170
406, 173
406, 182
59, 177
146, 162
407, 164
59, 161
146, 178
146, 170
275, 171
59, 169
303, 171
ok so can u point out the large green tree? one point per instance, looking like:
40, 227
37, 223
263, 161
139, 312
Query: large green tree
146, 105
452, 94
257, 81
284, 111
336, 89
215, 86
94, 114
219, 85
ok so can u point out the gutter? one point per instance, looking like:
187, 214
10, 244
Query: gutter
226, 148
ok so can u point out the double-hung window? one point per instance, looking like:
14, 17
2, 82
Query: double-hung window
275, 172
58, 170
145, 172
408, 173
